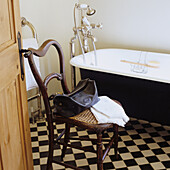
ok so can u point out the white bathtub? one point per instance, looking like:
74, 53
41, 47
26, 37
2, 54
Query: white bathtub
144, 95
110, 61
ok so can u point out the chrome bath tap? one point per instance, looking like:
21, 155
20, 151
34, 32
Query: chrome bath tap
85, 28
83, 32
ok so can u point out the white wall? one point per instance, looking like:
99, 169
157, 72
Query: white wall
132, 24
53, 20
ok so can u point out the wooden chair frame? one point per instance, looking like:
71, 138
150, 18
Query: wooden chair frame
97, 128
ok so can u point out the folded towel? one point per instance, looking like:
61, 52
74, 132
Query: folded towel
108, 111
30, 81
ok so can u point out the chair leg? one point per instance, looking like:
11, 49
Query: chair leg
99, 152
66, 139
116, 141
40, 115
51, 147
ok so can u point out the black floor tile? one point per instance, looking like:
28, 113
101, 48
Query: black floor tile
146, 167
43, 154
163, 144
136, 136
158, 151
42, 143
149, 140
33, 129
129, 143
154, 134
108, 166
79, 156
42, 133
166, 164
33, 139
41, 124
130, 162
167, 138
35, 149
92, 160
147, 125
36, 161
137, 154
123, 150
141, 131
152, 159
143, 147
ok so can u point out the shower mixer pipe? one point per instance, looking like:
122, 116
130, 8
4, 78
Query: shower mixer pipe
83, 32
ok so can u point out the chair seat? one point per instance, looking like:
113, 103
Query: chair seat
85, 119
86, 116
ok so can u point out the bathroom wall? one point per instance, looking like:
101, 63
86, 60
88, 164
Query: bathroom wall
132, 24
53, 20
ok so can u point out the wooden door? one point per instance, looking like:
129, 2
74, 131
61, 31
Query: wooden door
15, 140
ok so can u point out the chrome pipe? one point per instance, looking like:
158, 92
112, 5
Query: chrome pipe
25, 22
76, 31
73, 71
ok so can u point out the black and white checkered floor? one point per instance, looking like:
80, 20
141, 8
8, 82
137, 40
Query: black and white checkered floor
142, 145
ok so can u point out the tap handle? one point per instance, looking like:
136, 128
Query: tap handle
85, 21
96, 26
99, 25
81, 6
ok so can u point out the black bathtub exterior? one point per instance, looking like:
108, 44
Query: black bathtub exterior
142, 99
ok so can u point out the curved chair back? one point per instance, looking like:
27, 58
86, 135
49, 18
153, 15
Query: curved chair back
59, 76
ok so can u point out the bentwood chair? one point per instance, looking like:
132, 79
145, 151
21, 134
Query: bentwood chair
85, 119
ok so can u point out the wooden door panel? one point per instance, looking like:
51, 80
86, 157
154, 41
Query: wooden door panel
15, 139
7, 25
1, 168
1, 165
11, 148
9, 66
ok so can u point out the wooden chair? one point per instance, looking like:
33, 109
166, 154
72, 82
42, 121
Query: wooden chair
84, 120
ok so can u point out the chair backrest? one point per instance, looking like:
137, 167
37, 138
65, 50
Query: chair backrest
59, 76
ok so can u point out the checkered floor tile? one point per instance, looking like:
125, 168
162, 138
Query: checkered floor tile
142, 145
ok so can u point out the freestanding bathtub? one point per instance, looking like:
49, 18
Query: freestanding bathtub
139, 80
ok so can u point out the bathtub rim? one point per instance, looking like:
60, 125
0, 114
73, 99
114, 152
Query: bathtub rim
99, 69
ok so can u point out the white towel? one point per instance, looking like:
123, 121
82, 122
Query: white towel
108, 111
30, 81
